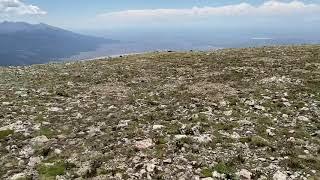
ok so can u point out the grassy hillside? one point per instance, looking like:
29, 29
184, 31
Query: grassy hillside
228, 114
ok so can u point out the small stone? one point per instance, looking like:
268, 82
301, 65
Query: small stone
34, 161
118, 176
279, 176
262, 159
6, 103
245, 174
245, 122
123, 123
46, 123
215, 174
57, 151
287, 104
180, 136
303, 118
156, 127
317, 133
150, 167
144, 144
39, 140
26, 151
79, 116
203, 138
93, 131
168, 161
84, 169
18, 176
263, 178
112, 108
270, 133
55, 109
235, 135
70, 83
260, 107
291, 131
61, 136
61, 177
21, 93
250, 102
223, 103
228, 113
207, 178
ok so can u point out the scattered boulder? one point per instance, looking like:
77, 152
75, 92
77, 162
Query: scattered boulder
156, 127
245, 174
39, 140
55, 109
18, 176
303, 118
279, 176
144, 144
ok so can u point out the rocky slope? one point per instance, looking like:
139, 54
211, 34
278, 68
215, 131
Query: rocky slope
229, 114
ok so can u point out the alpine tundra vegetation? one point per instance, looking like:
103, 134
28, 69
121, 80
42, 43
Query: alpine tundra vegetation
250, 113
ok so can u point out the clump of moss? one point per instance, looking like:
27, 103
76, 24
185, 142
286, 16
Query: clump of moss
206, 172
259, 141
62, 93
39, 118
160, 151
245, 139
225, 168
293, 163
181, 142
51, 171
47, 132
225, 126
186, 140
161, 141
5, 133
172, 129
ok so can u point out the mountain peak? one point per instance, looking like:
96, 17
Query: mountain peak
13, 27
23, 43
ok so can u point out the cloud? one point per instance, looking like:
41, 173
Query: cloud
18, 7
267, 9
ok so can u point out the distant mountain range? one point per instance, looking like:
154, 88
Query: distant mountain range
24, 44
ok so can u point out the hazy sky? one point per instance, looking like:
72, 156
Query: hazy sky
109, 14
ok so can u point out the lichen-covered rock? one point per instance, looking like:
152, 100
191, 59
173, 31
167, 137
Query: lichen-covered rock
39, 140
245, 174
18, 176
144, 144
279, 176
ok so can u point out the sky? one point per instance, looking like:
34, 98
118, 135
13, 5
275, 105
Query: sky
110, 14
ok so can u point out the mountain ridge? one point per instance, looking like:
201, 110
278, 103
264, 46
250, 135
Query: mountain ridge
23, 44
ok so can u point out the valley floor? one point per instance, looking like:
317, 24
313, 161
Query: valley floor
229, 114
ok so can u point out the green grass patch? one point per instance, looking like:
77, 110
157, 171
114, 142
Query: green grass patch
259, 141
5, 133
51, 171
226, 126
49, 133
225, 168
206, 172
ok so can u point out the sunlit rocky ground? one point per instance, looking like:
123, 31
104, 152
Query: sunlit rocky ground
227, 114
